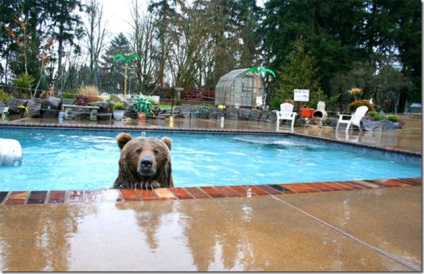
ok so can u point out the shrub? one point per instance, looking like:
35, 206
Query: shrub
91, 92
379, 117
70, 94
4, 96
357, 103
354, 91
118, 106
316, 96
372, 113
278, 98
22, 85
393, 118
143, 104
114, 98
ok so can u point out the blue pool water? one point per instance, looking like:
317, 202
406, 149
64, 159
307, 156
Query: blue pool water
87, 159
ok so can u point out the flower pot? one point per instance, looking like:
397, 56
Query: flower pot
118, 114
141, 116
104, 109
306, 112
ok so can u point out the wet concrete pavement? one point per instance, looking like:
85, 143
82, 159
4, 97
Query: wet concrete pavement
340, 231
361, 230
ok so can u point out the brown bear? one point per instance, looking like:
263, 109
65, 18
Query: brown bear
144, 163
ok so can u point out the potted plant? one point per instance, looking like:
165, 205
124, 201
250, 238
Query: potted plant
104, 107
306, 112
143, 106
204, 112
118, 111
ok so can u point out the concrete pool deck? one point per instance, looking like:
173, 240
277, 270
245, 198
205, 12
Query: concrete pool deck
368, 229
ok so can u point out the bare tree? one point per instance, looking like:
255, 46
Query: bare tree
146, 46
165, 12
191, 47
95, 35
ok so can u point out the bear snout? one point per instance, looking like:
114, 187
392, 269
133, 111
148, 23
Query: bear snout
146, 166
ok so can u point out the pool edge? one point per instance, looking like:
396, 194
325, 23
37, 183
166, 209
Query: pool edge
205, 130
8, 198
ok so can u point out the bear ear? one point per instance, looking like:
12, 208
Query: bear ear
167, 141
123, 139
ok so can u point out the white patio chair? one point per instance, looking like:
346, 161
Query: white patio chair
354, 120
286, 113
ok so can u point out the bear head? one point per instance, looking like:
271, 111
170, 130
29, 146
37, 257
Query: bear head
144, 162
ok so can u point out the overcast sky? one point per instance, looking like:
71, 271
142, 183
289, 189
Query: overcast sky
117, 14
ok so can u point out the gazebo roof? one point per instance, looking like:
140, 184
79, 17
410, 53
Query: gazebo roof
234, 73
228, 79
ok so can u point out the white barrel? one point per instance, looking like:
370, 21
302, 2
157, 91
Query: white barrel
10, 152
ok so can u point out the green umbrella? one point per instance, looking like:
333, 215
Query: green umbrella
259, 70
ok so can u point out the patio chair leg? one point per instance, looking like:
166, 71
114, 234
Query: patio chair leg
347, 127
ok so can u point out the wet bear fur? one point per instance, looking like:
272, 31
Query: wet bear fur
144, 163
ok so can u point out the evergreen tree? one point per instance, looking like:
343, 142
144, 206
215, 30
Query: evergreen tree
112, 73
345, 36
300, 72
407, 38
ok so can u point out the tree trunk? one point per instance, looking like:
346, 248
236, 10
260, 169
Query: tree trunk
125, 81
402, 100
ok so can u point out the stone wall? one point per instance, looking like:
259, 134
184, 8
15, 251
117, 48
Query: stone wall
231, 113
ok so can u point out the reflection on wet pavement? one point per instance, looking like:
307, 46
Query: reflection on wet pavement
268, 233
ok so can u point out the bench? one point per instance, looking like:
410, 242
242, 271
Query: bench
193, 95
200, 95
72, 110
209, 95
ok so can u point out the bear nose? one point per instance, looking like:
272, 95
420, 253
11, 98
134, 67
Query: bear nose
146, 164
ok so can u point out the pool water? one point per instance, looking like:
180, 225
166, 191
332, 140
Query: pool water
88, 159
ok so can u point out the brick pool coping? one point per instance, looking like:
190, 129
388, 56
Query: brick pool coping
184, 193
181, 193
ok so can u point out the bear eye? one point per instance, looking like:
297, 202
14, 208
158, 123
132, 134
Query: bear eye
138, 151
156, 152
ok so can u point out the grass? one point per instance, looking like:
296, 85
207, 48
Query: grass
162, 106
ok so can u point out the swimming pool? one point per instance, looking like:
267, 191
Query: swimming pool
64, 159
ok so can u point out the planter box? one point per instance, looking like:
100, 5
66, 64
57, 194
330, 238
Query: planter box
49, 113
307, 112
